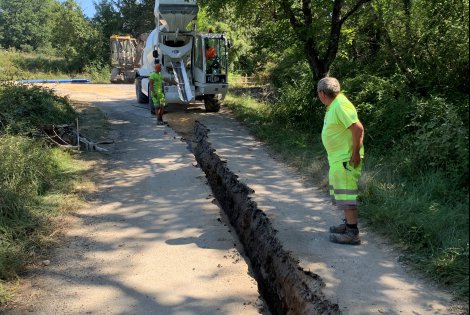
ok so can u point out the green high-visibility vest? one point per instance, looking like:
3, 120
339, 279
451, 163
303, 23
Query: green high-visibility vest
157, 79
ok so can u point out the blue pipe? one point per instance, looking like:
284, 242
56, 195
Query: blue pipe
56, 81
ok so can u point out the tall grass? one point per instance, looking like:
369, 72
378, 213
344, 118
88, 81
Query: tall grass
28, 171
36, 180
424, 216
16, 65
21, 66
424, 211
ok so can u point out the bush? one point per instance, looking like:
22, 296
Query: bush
426, 133
441, 142
298, 105
383, 107
98, 72
24, 108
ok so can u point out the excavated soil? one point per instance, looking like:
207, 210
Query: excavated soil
286, 287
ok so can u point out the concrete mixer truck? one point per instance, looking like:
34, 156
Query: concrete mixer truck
196, 61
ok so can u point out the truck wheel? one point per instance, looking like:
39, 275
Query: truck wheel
114, 75
141, 97
212, 103
129, 76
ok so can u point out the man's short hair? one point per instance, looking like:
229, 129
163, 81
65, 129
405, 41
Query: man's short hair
329, 85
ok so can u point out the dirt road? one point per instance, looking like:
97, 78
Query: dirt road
155, 242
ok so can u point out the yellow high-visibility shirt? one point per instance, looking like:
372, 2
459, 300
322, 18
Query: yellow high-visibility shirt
336, 136
157, 79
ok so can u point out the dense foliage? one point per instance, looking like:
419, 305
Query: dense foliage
49, 26
23, 109
61, 29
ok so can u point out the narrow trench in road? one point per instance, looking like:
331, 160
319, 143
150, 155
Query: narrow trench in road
283, 284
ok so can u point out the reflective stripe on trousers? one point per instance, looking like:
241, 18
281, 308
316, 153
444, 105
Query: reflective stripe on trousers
344, 179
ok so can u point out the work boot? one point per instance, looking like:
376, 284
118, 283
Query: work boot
349, 237
160, 121
339, 229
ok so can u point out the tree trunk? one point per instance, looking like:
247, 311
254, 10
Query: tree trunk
317, 66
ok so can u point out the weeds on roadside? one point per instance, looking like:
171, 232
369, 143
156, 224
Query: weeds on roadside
23, 108
31, 172
98, 73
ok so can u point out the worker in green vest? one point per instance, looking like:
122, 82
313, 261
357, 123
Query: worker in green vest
156, 92
342, 136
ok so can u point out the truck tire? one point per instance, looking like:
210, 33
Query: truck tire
115, 75
129, 76
212, 103
141, 97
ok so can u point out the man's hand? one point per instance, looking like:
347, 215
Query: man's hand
171, 81
355, 160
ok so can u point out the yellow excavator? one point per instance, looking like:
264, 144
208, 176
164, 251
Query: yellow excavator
125, 58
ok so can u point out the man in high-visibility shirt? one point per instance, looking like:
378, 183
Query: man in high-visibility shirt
156, 92
342, 136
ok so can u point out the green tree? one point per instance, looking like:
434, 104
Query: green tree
74, 37
108, 21
108, 18
25, 24
316, 24
428, 41
137, 16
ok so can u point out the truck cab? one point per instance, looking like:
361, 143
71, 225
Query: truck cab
211, 69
